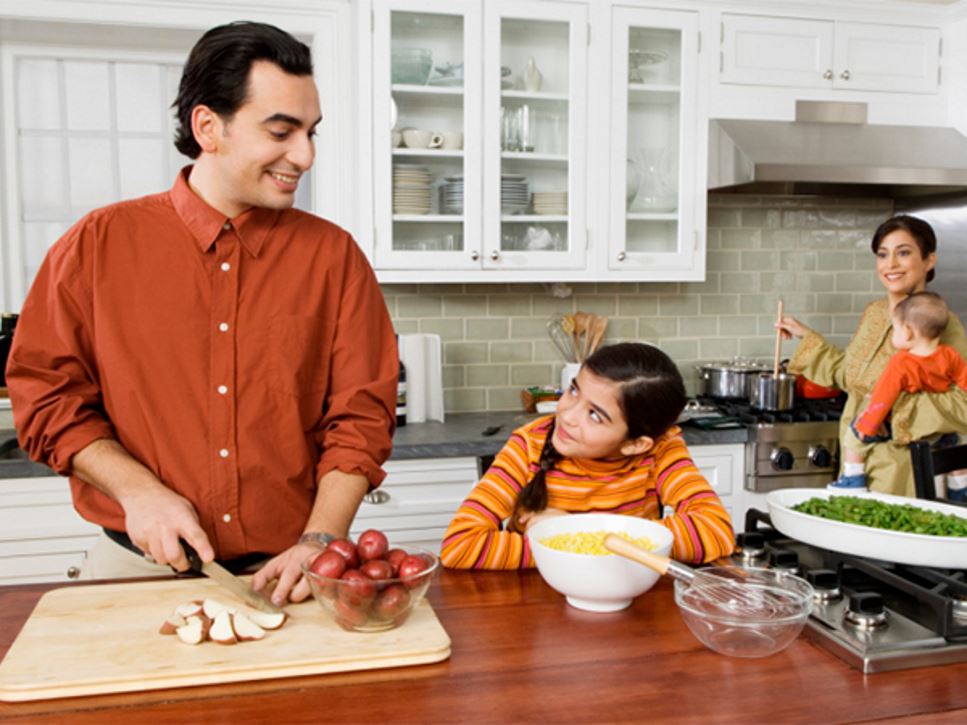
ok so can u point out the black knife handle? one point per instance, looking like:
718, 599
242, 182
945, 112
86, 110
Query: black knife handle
194, 561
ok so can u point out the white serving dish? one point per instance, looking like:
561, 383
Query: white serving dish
948, 552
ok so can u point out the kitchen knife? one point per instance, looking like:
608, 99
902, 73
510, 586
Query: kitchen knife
223, 576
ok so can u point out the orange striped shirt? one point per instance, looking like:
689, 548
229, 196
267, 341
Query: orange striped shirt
641, 485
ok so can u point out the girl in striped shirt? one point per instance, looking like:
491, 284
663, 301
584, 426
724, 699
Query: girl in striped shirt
612, 446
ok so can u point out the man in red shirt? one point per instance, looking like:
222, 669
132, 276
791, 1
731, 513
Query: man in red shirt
208, 363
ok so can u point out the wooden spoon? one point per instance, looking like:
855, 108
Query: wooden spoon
597, 334
580, 328
775, 362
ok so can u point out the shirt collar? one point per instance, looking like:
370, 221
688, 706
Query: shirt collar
206, 223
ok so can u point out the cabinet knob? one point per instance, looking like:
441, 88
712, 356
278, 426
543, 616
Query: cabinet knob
622, 256
495, 255
474, 256
828, 75
844, 75
73, 572
378, 496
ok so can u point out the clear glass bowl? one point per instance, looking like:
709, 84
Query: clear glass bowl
748, 613
373, 606
411, 65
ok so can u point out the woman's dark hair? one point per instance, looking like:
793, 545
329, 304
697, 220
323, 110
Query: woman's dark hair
651, 396
216, 72
920, 230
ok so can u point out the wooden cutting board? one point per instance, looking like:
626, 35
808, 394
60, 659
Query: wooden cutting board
93, 640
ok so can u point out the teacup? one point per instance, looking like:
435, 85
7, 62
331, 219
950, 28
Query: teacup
396, 137
417, 138
452, 141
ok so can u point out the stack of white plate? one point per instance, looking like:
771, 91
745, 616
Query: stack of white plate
451, 195
411, 189
514, 195
549, 202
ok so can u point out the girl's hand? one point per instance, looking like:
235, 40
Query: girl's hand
790, 327
529, 518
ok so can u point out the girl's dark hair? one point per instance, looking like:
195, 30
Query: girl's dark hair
920, 230
651, 396
216, 72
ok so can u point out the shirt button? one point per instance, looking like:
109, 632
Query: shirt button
226, 226
222, 389
223, 327
226, 266
223, 453
226, 518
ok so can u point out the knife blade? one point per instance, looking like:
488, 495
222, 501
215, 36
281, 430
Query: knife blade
229, 581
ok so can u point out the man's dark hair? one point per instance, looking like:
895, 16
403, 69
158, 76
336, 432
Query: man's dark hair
217, 69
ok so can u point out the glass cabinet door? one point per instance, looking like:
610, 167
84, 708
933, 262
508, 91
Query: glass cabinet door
426, 162
654, 127
535, 90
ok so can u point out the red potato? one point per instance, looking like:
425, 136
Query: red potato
348, 616
330, 564
372, 544
348, 549
377, 569
410, 568
357, 589
391, 602
395, 557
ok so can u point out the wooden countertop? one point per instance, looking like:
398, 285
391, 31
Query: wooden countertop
521, 654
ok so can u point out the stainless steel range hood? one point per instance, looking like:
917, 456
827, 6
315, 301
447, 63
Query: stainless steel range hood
830, 149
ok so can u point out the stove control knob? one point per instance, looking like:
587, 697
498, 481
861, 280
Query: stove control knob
869, 603
783, 559
782, 459
825, 585
820, 457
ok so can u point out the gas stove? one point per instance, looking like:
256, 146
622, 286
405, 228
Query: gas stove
797, 448
877, 616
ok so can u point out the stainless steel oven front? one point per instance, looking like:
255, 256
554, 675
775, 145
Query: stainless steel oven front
792, 455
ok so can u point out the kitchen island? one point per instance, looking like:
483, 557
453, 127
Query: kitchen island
520, 653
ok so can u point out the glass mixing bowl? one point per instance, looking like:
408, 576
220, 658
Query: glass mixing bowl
411, 65
749, 613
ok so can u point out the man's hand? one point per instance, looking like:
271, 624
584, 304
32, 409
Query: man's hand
155, 516
287, 569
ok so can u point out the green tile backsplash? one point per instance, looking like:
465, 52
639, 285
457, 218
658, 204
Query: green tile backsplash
814, 251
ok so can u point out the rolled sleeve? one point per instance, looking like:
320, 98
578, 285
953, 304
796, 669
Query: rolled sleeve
51, 371
355, 434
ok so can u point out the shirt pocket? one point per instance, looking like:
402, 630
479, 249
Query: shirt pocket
297, 363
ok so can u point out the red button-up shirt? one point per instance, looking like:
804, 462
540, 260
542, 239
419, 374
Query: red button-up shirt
238, 359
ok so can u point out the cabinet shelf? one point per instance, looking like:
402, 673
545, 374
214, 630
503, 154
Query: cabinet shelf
427, 90
535, 96
531, 218
424, 218
647, 216
434, 153
548, 159
639, 94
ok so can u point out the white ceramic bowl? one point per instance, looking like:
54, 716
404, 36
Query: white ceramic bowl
597, 583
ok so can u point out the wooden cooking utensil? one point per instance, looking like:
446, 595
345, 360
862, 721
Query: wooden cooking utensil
597, 334
580, 328
775, 362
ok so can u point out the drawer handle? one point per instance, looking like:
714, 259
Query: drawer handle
73, 572
844, 75
377, 496
828, 75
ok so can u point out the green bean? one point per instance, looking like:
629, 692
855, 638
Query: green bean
880, 515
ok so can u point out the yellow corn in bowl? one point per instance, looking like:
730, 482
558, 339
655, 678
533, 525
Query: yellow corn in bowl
570, 555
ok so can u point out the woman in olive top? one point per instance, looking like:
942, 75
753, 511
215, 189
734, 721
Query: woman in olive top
906, 252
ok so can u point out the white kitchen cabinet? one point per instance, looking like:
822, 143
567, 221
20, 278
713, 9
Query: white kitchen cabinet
417, 501
654, 197
42, 537
512, 195
724, 468
793, 52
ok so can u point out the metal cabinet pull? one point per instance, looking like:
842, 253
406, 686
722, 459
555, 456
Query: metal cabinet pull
844, 75
622, 256
474, 256
377, 496
828, 75
73, 572
495, 255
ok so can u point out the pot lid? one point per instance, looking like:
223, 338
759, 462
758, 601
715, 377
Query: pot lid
736, 365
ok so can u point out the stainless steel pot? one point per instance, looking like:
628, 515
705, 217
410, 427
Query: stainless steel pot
768, 392
729, 379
